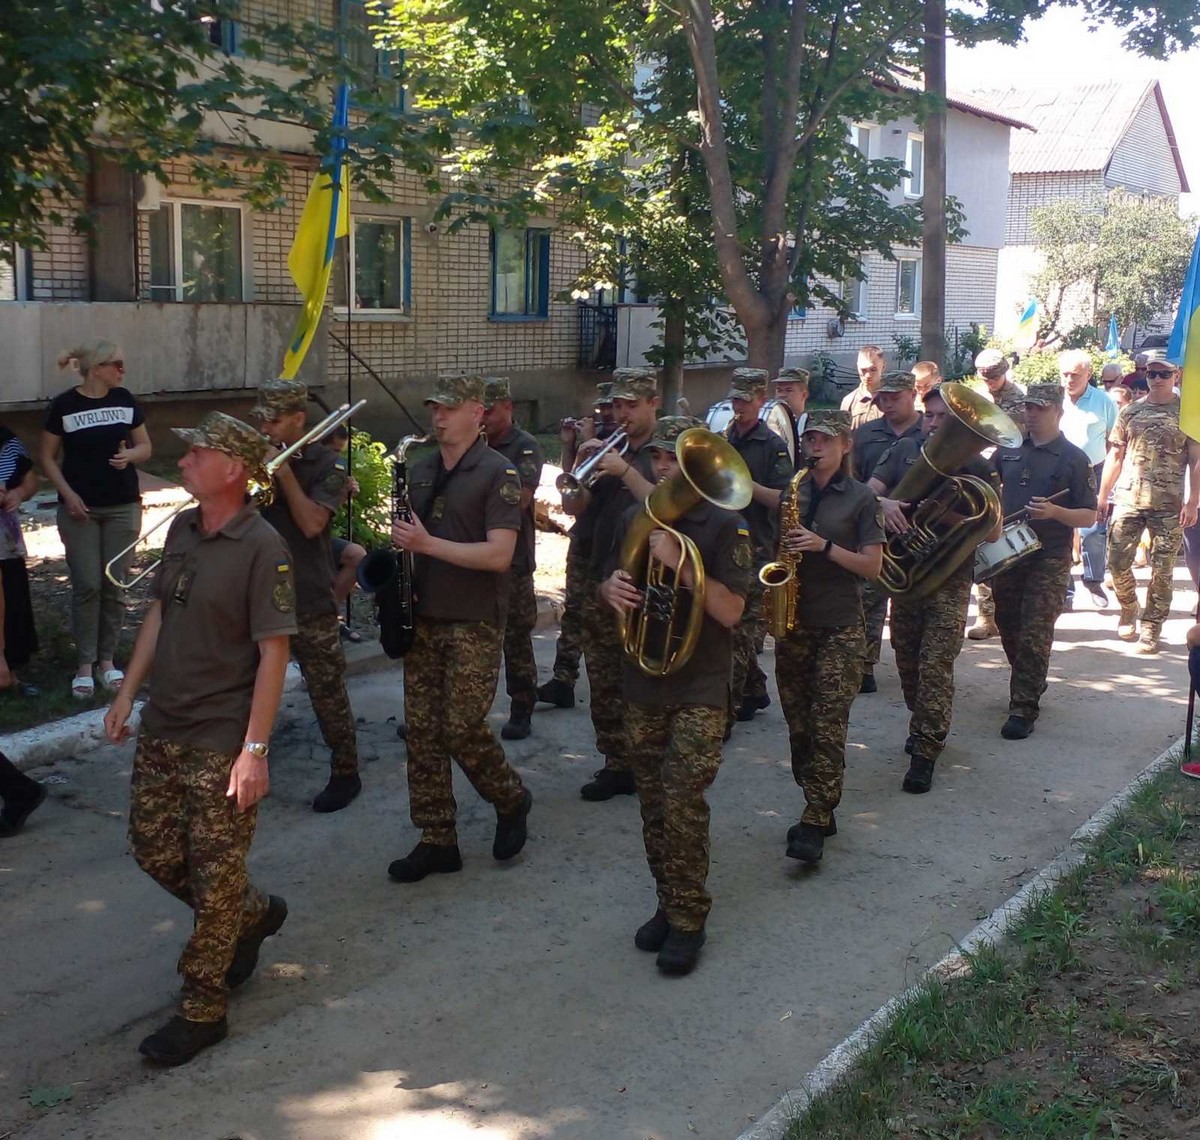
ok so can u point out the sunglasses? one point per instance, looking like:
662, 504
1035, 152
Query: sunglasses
1158, 373
116, 364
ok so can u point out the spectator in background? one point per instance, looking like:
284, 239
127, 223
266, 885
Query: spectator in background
93, 437
346, 554
861, 402
18, 637
928, 376
1110, 380
1137, 378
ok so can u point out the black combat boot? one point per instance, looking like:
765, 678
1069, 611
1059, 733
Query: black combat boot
557, 693
510, 829
808, 844
750, 705
828, 831
1016, 728
608, 782
651, 935
340, 792
518, 726
245, 957
20, 797
680, 950
919, 777
426, 859
868, 684
180, 1040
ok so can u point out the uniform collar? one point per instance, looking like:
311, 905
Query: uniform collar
235, 528
471, 456
509, 436
1055, 445
758, 431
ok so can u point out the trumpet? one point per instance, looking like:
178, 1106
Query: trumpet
585, 475
262, 495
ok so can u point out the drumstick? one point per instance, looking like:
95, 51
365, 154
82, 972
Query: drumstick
1025, 510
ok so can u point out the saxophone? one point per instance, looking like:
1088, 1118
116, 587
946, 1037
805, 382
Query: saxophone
779, 577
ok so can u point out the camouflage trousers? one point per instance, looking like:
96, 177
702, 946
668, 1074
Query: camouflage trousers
190, 838
748, 678
1029, 597
317, 648
818, 672
602, 657
927, 636
570, 630
1166, 537
520, 669
675, 753
875, 604
450, 676
987, 604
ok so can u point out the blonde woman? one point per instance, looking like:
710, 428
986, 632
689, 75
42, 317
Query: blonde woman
93, 437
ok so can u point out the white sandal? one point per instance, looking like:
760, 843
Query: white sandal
111, 679
83, 688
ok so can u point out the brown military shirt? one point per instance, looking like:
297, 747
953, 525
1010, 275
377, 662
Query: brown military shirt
1034, 470
770, 466
848, 512
321, 474
861, 406
221, 594
523, 452
481, 492
610, 500
725, 546
1155, 456
873, 440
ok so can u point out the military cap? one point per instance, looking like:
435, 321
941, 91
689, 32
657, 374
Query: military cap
1157, 356
278, 397
991, 363
455, 389
222, 432
747, 383
633, 384
800, 376
1045, 394
495, 389
829, 421
896, 381
669, 428
604, 392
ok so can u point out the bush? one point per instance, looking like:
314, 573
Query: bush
1042, 367
373, 504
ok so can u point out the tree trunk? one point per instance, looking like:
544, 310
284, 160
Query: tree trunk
674, 340
933, 240
765, 341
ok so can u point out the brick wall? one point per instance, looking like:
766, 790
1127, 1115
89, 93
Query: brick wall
1029, 191
60, 271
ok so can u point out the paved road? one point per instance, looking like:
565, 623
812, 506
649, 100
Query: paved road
508, 1003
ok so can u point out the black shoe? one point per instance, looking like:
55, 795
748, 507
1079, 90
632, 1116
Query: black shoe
651, 935
829, 830
751, 705
518, 726
425, 859
510, 830
340, 792
868, 684
910, 744
17, 809
402, 731
679, 952
608, 782
557, 693
1096, 589
808, 844
180, 1040
245, 957
919, 777
1016, 728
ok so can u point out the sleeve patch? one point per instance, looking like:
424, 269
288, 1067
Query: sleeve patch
743, 554
510, 493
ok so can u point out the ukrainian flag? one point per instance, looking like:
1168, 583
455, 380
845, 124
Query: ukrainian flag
1027, 327
325, 218
1113, 348
1184, 347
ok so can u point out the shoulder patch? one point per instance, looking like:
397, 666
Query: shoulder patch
510, 493
743, 552
283, 593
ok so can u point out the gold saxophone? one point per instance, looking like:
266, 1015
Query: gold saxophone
779, 577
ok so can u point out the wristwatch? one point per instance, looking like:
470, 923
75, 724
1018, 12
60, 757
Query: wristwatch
255, 748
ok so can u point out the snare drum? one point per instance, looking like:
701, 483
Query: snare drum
719, 417
1014, 543
774, 413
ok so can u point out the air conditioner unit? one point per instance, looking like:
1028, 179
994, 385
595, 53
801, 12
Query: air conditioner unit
149, 192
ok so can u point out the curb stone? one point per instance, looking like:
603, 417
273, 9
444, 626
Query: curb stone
837, 1065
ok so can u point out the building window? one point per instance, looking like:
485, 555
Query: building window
914, 160
861, 138
369, 58
908, 287
196, 252
14, 273
854, 293
520, 273
380, 264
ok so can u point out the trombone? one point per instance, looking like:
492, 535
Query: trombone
261, 497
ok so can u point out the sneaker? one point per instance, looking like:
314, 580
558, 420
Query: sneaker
750, 705
340, 792
1192, 770
1148, 639
829, 830
519, 725
680, 951
426, 859
919, 777
608, 782
983, 629
17, 809
245, 957
1127, 623
868, 684
1016, 728
808, 844
1096, 589
651, 935
180, 1040
510, 829
557, 693
1069, 604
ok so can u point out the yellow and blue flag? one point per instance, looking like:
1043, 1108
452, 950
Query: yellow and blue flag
1027, 327
1184, 347
325, 218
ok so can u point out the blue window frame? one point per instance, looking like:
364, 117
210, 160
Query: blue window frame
520, 274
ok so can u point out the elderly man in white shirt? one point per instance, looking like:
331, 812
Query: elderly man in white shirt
1088, 417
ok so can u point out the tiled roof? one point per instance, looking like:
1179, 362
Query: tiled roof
970, 104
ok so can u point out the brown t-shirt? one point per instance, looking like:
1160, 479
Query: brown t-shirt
321, 474
862, 407
481, 492
610, 500
221, 594
727, 551
523, 452
1041, 470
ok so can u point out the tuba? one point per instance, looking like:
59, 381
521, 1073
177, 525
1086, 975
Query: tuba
661, 637
779, 577
388, 573
955, 512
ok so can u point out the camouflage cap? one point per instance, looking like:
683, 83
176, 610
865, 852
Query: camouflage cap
747, 383
278, 397
222, 432
604, 392
634, 384
1045, 395
896, 381
829, 421
1157, 356
800, 376
495, 389
455, 389
991, 364
668, 429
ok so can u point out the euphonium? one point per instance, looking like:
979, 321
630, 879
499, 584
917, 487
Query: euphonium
955, 513
662, 636
779, 577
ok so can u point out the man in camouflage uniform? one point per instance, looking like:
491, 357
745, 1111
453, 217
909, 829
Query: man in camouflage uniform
214, 645
676, 723
1144, 470
992, 366
522, 452
308, 491
466, 503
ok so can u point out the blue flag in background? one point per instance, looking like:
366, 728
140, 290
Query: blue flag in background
1113, 348
1184, 347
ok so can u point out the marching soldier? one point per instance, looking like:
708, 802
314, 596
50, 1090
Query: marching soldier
818, 666
466, 502
309, 489
522, 452
1031, 593
895, 395
214, 645
791, 388
676, 724
771, 467
927, 375
927, 633
861, 402
1144, 471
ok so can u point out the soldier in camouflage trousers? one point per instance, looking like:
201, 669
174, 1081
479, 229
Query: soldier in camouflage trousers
570, 628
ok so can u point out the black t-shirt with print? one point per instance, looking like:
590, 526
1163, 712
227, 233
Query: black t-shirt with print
92, 429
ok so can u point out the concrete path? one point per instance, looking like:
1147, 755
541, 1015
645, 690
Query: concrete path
508, 1003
